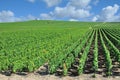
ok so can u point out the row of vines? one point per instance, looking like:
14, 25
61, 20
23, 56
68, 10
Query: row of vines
67, 51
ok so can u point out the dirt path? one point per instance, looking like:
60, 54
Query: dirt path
32, 76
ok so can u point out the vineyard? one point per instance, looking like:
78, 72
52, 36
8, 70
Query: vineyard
62, 48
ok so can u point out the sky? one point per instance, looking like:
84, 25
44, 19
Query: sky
68, 10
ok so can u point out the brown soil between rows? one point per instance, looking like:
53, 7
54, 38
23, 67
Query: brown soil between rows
89, 61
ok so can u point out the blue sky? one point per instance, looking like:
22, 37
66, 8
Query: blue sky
71, 10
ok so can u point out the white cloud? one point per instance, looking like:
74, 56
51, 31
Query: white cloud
32, 1
79, 3
73, 20
6, 13
80, 13
31, 17
94, 18
7, 16
25, 18
74, 9
71, 12
45, 16
63, 12
51, 3
108, 14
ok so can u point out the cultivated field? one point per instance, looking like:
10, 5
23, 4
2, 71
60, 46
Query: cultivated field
60, 48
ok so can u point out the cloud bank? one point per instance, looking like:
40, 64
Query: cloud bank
108, 14
73, 10
9, 16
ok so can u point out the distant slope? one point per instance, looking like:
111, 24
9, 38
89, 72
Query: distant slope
37, 24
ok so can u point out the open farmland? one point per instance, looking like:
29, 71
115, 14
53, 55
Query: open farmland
60, 48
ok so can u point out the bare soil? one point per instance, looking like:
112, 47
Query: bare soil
33, 76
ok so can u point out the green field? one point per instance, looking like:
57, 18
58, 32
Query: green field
66, 47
